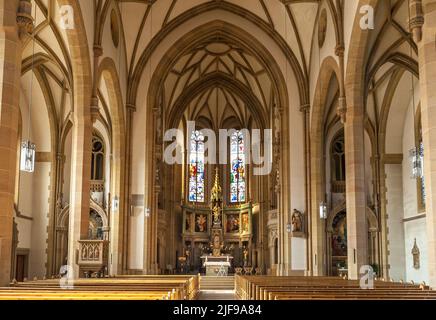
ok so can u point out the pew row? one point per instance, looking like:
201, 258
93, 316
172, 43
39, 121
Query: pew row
118, 288
325, 288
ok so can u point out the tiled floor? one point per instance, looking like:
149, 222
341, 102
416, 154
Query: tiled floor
217, 295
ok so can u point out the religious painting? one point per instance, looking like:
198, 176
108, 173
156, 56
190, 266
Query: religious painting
232, 223
188, 220
245, 223
339, 236
201, 223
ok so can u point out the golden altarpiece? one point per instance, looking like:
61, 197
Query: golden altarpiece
216, 232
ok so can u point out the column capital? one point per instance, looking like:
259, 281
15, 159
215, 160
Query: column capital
98, 50
341, 111
416, 19
305, 108
131, 107
340, 50
95, 110
25, 19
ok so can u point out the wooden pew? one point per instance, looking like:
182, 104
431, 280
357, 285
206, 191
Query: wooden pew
324, 288
118, 288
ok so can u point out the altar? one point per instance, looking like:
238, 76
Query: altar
216, 237
217, 266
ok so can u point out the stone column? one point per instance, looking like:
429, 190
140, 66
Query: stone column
426, 39
80, 180
80, 190
10, 72
355, 190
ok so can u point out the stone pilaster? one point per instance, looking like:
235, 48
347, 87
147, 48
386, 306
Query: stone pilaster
10, 72
427, 74
131, 109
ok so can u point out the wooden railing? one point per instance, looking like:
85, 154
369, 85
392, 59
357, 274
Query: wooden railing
97, 185
338, 186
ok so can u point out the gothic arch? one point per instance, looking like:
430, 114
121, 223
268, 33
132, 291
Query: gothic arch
228, 32
107, 72
62, 222
329, 71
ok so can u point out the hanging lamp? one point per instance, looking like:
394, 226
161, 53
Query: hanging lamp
28, 148
416, 154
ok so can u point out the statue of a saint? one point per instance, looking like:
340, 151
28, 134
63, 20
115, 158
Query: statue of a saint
245, 257
216, 246
297, 221
216, 214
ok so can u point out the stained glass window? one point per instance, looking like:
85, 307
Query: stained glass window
422, 181
196, 167
237, 173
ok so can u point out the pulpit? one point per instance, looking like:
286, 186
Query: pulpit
93, 257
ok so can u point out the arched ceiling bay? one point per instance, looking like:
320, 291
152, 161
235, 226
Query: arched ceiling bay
219, 58
391, 52
216, 108
292, 20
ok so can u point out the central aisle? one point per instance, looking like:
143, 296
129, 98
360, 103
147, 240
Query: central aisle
217, 295
217, 288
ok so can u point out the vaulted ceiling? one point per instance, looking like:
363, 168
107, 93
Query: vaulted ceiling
291, 22
142, 20
217, 102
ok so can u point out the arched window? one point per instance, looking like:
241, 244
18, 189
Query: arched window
97, 162
338, 159
95, 229
421, 180
237, 170
196, 167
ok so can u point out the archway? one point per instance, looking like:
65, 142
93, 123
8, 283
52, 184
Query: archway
337, 247
329, 73
108, 80
165, 119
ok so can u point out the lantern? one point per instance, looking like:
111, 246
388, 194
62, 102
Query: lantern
416, 162
323, 210
27, 161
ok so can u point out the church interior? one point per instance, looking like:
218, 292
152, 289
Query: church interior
164, 149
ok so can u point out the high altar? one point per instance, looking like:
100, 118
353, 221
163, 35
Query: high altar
217, 237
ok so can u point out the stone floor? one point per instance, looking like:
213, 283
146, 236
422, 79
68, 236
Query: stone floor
217, 295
